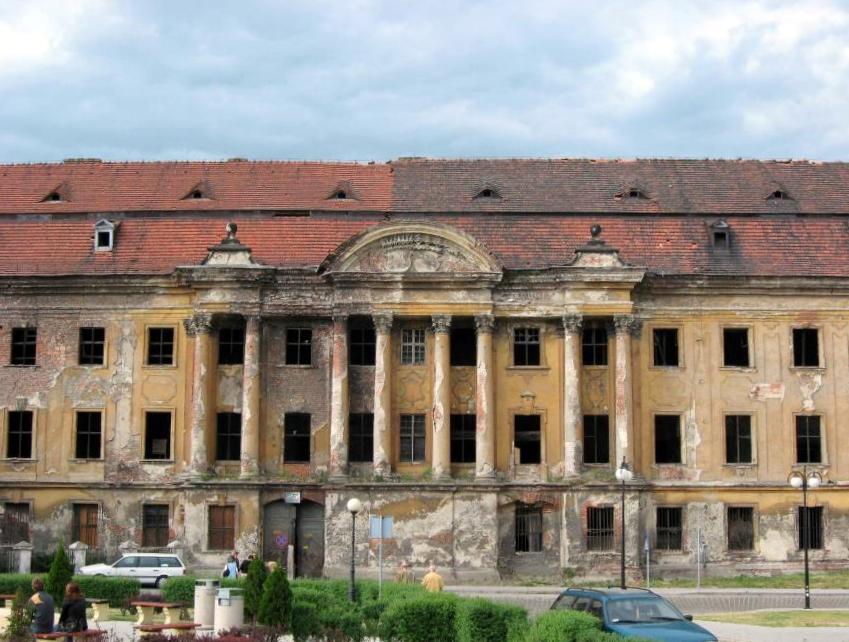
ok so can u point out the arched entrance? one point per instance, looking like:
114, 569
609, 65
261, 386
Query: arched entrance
299, 525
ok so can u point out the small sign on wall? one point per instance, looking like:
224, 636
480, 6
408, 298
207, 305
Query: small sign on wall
292, 498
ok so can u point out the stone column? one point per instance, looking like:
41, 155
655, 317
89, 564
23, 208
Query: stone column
23, 556
626, 326
573, 450
484, 400
339, 399
382, 393
198, 327
78, 555
251, 385
441, 460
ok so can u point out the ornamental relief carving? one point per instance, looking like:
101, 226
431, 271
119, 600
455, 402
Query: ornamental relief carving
412, 253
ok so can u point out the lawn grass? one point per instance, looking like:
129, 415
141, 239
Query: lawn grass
783, 618
827, 580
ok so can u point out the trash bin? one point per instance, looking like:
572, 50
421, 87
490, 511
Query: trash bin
205, 591
229, 609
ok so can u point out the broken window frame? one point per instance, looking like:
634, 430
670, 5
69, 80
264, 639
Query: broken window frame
299, 346
24, 346
297, 433
16, 523
528, 527
92, 346
161, 341
20, 434
362, 346
463, 346
155, 525
153, 451
729, 348
412, 439
528, 437
83, 529
664, 427
361, 437
527, 347
721, 239
231, 346
463, 430
601, 534
809, 439
594, 345
739, 440
740, 528
666, 348
228, 436
596, 440
669, 528
810, 524
805, 355
413, 346
220, 527
88, 443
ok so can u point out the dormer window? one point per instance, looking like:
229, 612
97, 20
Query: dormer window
343, 191
59, 194
196, 194
488, 192
779, 195
341, 194
720, 235
104, 236
53, 197
201, 191
632, 193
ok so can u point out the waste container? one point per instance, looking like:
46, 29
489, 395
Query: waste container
229, 608
205, 591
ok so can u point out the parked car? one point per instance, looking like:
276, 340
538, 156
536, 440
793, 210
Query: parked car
635, 612
147, 568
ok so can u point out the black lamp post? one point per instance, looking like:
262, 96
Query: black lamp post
624, 475
354, 507
804, 480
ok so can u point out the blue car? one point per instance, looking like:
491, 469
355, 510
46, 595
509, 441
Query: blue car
635, 613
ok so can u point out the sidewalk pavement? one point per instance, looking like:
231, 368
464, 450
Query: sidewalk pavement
745, 633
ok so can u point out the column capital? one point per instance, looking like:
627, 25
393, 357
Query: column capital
199, 323
484, 323
572, 323
383, 322
623, 323
441, 323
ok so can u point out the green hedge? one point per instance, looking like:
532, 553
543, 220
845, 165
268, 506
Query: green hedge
181, 588
564, 626
485, 621
426, 619
118, 590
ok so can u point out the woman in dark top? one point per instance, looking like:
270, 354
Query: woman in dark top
73, 610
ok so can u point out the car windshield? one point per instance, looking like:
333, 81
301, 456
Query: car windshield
644, 609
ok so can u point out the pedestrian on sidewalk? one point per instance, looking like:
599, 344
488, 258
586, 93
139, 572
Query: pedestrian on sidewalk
432, 581
405, 573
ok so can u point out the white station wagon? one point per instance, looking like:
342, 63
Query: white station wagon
147, 568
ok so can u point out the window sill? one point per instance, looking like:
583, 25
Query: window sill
733, 466
738, 368
86, 460
462, 365
820, 369
164, 366
669, 464
361, 365
595, 366
298, 366
19, 460
666, 368
21, 365
156, 461
528, 368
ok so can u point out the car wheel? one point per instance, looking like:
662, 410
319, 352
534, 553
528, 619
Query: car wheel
160, 580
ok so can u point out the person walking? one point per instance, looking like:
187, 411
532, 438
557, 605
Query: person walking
405, 574
72, 617
432, 581
246, 563
231, 567
40, 608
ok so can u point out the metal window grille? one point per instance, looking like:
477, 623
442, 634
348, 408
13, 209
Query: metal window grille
23, 346
361, 437
738, 439
741, 529
412, 346
667, 439
231, 346
160, 346
228, 436
412, 438
92, 346
600, 528
299, 346
157, 435
296, 437
528, 528
669, 528
15, 525
810, 526
84, 524
362, 347
808, 439
594, 346
222, 527
463, 439
19, 435
806, 351
88, 435
665, 346
526, 347
596, 439
155, 525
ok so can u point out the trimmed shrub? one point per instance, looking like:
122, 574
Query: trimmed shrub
11, 582
516, 619
563, 626
118, 590
275, 607
480, 620
426, 619
256, 576
61, 572
179, 589
341, 624
305, 624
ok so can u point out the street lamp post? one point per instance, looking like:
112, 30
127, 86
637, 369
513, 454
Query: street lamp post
804, 480
624, 475
354, 507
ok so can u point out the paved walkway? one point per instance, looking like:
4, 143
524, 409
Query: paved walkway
745, 633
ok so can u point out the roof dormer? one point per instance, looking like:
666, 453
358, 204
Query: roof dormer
779, 194
343, 191
720, 234
633, 191
59, 194
104, 235
201, 191
487, 191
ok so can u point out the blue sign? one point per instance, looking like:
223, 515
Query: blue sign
282, 541
375, 530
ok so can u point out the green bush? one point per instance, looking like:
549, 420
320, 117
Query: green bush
61, 572
305, 623
180, 588
118, 590
257, 574
341, 623
563, 626
426, 619
17, 630
275, 607
480, 620
11, 582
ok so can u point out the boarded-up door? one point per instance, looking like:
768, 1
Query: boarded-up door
278, 530
309, 551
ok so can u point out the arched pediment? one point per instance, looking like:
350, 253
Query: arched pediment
412, 248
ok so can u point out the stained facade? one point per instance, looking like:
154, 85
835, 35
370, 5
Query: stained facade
221, 355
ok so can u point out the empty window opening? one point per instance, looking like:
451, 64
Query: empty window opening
412, 439
157, 435
341, 194
806, 348
741, 528
228, 436
667, 439
600, 528
632, 193
668, 528
160, 346
92, 346
361, 437
155, 525
412, 346
221, 533
779, 195
296, 440
665, 342
526, 438
299, 346
14, 525
735, 347
526, 347
231, 346
594, 346
84, 524
463, 439
19, 434
196, 194
738, 439
362, 347
53, 197
463, 346
89, 435
104, 240
808, 439
24, 346
809, 523
720, 239
528, 528
596, 439
488, 192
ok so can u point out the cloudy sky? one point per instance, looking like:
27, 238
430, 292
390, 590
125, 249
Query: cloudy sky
371, 79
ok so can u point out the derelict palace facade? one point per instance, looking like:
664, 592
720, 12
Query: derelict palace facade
471, 348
